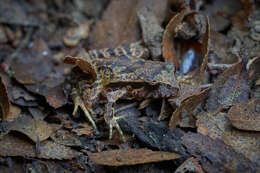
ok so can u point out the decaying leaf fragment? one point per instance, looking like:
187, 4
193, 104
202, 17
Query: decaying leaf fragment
4, 101
130, 157
37, 130
215, 156
14, 146
246, 116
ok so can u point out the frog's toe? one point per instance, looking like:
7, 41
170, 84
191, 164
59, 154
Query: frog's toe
113, 123
79, 103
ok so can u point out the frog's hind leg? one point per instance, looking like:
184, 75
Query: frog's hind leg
78, 102
109, 116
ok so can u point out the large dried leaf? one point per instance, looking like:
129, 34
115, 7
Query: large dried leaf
114, 29
215, 156
4, 101
219, 127
246, 116
37, 130
30, 68
230, 87
130, 157
14, 146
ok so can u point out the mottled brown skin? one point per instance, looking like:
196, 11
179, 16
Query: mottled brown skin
121, 72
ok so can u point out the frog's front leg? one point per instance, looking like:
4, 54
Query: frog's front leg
109, 116
84, 97
78, 102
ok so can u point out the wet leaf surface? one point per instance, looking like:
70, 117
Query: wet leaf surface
130, 157
246, 116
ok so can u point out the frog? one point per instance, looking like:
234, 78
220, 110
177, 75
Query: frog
121, 73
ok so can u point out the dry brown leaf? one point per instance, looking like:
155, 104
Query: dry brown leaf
215, 156
219, 127
230, 87
37, 130
130, 157
191, 165
168, 36
4, 101
31, 67
14, 146
246, 116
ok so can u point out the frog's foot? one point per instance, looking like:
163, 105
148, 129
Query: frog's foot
78, 102
113, 123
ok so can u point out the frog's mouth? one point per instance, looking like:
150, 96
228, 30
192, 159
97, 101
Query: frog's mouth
82, 64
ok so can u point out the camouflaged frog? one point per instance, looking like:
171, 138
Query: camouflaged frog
121, 72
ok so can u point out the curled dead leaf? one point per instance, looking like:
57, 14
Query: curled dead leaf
130, 157
168, 35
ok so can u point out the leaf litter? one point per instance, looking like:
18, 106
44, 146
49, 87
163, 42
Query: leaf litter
210, 52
